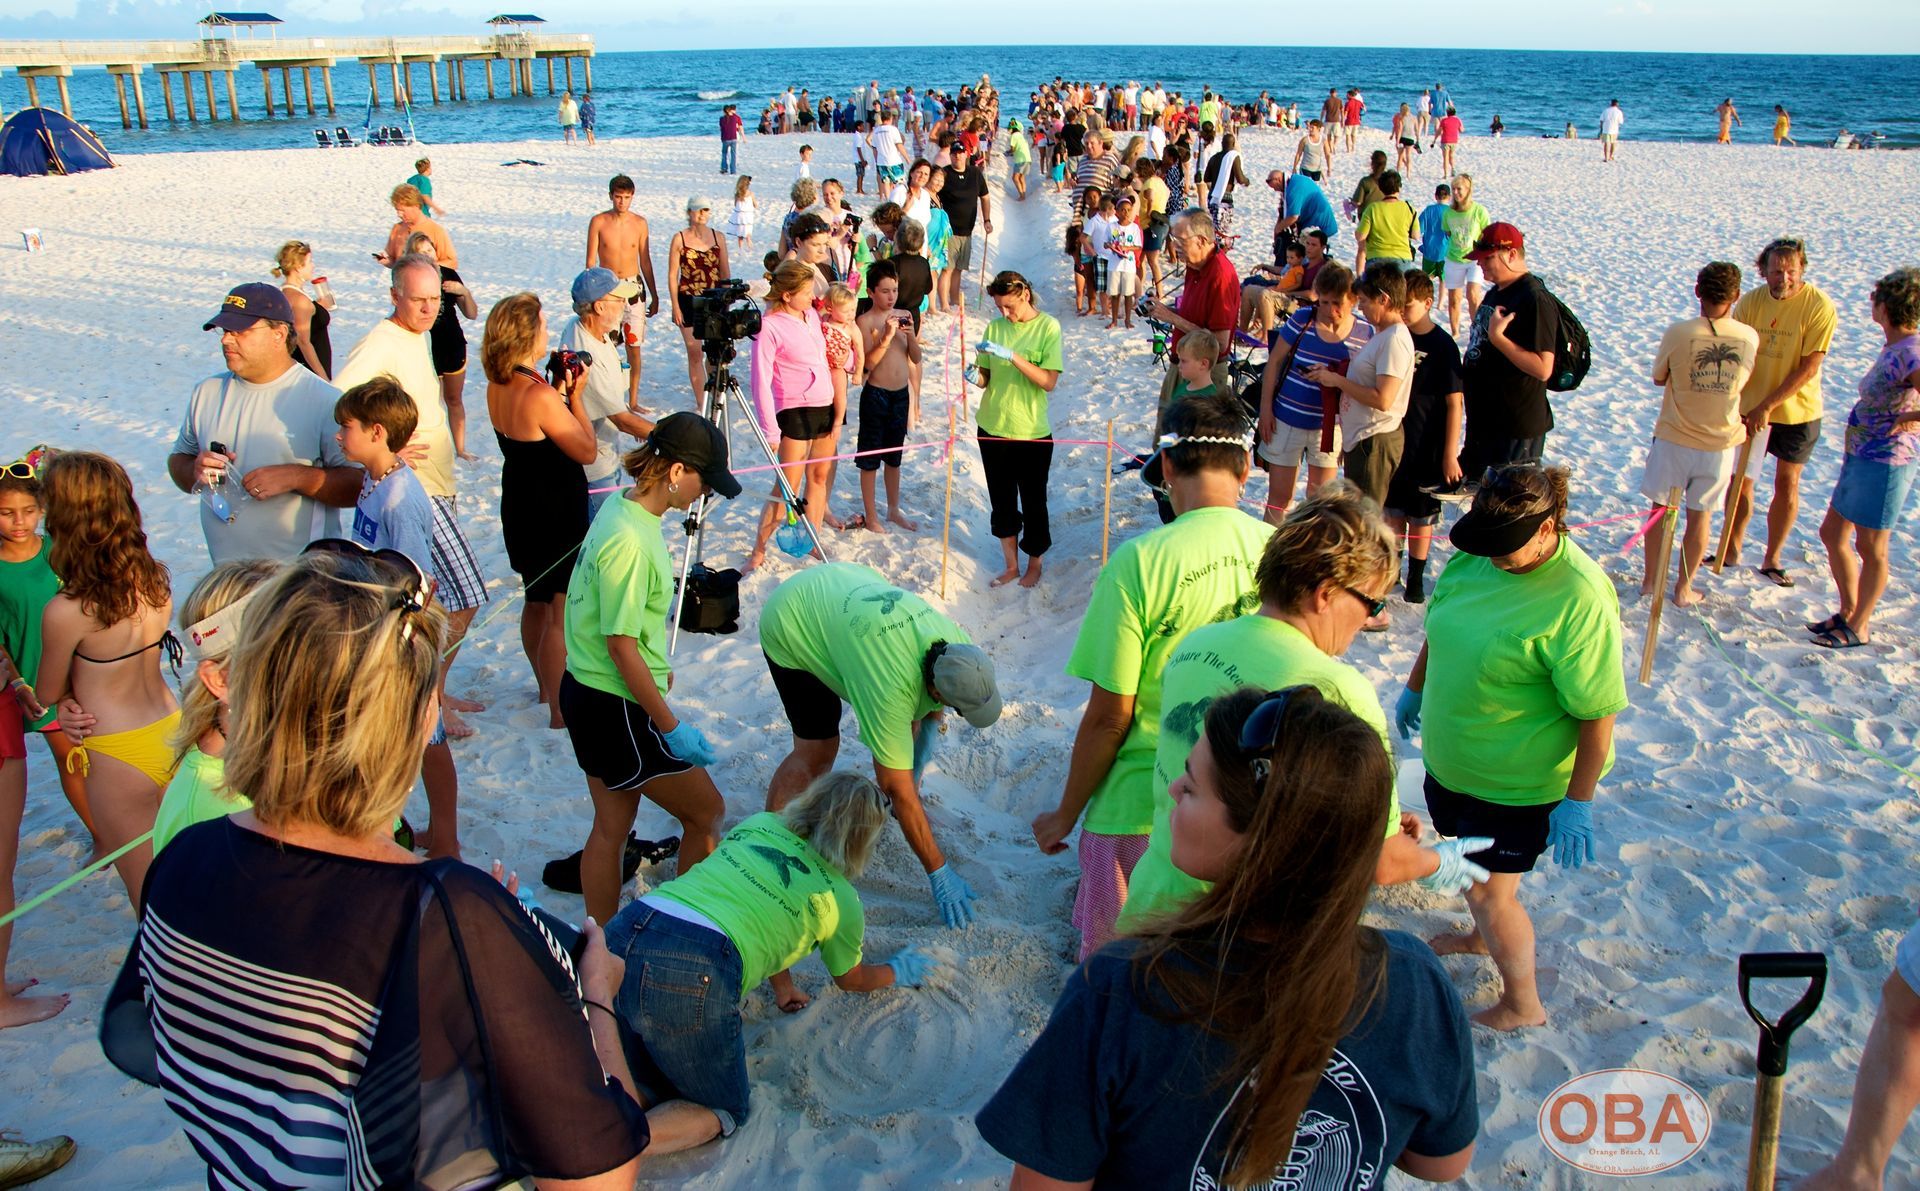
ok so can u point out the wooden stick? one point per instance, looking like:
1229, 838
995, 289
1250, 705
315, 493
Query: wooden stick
946, 525
1665, 556
1106, 513
1763, 1143
1733, 502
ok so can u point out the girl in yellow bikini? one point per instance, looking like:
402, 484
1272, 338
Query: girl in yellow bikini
102, 641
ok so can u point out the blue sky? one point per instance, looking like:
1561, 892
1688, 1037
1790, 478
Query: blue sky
1743, 26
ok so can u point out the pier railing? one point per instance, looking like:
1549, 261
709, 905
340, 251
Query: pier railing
235, 50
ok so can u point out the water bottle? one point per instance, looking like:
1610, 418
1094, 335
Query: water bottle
322, 290
217, 501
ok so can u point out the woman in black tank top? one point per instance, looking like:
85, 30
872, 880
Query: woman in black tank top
311, 316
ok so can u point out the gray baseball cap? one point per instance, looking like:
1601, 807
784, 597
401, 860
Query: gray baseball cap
963, 674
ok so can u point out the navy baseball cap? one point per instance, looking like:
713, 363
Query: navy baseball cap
247, 304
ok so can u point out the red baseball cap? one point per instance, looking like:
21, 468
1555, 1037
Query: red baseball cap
1496, 237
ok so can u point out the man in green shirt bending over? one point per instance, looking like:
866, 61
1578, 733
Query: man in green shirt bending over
840, 631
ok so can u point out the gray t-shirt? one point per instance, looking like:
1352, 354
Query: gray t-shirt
395, 514
1388, 353
604, 396
286, 420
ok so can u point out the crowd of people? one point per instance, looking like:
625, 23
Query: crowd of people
1231, 779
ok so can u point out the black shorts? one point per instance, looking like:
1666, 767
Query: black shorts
685, 302
449, 353
1478, 454
1519, 833
883, 426
613, 739
806, 422
1793, 442
812, 707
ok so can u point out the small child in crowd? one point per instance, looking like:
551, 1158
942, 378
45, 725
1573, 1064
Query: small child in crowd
1433, 231
1094, 235
376, 420
846, 360
804, 169
887, 408
740, 222
1125, 245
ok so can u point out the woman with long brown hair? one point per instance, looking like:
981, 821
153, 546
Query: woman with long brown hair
102, 641
1263, 1027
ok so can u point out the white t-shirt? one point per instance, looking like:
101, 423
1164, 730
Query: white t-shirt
887, 146
802, 169
1121, 241
287, 420
862, 153
604, 396
1388, 353
1131, 97
1156, 142
404, 355
1099, 231
1611, 120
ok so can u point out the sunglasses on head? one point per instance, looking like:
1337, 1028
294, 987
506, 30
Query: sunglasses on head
412, 598
1260, 735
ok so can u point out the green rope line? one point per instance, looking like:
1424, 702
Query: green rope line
1719, 646
40, 899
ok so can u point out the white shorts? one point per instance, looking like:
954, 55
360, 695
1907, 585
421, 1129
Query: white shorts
633, 321
1461, 274
1702, 476
1123, 282
1290, 444
1906, 958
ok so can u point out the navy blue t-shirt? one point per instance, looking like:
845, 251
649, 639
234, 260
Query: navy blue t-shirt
1112, 1093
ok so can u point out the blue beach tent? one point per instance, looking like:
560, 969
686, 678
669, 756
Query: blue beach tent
42, 141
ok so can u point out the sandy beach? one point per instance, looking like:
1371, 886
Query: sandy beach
1730, 823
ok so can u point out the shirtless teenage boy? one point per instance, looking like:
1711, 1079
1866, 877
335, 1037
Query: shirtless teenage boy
887, 406
617, 241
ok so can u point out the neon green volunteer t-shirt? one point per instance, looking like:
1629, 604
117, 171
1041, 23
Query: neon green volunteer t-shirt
1157, 588
1514, 663
1387, 227
1012, 406
622, 586
775, 898
866, 639
195, 795
1256, 651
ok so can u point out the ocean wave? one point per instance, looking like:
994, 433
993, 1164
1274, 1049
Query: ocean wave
719, 95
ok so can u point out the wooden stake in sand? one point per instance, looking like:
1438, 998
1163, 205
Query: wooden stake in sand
1665, 555
1733, 501
1106, 511
946, 524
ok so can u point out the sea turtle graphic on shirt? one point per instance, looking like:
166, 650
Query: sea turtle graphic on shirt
781, 863
887, 599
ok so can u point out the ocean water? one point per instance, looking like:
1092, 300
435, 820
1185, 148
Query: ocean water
1667, 97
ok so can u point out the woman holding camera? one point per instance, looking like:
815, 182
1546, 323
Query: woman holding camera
321, 1007
545, 437
696, 262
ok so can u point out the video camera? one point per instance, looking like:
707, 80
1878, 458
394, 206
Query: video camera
723, 315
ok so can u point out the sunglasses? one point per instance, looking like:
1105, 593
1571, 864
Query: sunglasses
411, 599
1260, 735
1374, 606
20, 470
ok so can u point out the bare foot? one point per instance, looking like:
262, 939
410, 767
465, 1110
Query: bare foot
904, 523
457, 703
1469, 943
457, 728
1646, 586
1686, 597
1111, 324
1004, 577
1032, 577
1501, 1016
753, 562
16, 987
24, 1011
872, 524
833, 522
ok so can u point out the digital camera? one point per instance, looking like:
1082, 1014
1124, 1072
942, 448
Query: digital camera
564, 365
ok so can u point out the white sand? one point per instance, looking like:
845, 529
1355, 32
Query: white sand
1728, 825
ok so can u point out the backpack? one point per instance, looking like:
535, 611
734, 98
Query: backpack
1572, 350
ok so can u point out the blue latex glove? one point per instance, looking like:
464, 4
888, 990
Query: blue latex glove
1406, 712
911, 967
1570, 832
690, 744
926, 742
1456, 873
954, 896
995, 349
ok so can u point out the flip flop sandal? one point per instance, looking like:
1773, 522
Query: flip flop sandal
1776, 576
1841, 638
1821, 628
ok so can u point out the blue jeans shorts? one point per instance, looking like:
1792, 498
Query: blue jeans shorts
680, 1002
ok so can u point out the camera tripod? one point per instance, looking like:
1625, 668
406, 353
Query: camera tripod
714, 408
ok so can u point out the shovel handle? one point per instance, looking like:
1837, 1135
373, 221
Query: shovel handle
1777, 1035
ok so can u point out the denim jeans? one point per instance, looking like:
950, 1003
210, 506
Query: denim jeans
680, 1002
729, 157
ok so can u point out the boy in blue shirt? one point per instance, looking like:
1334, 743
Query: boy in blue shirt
376, 419
1433, 232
